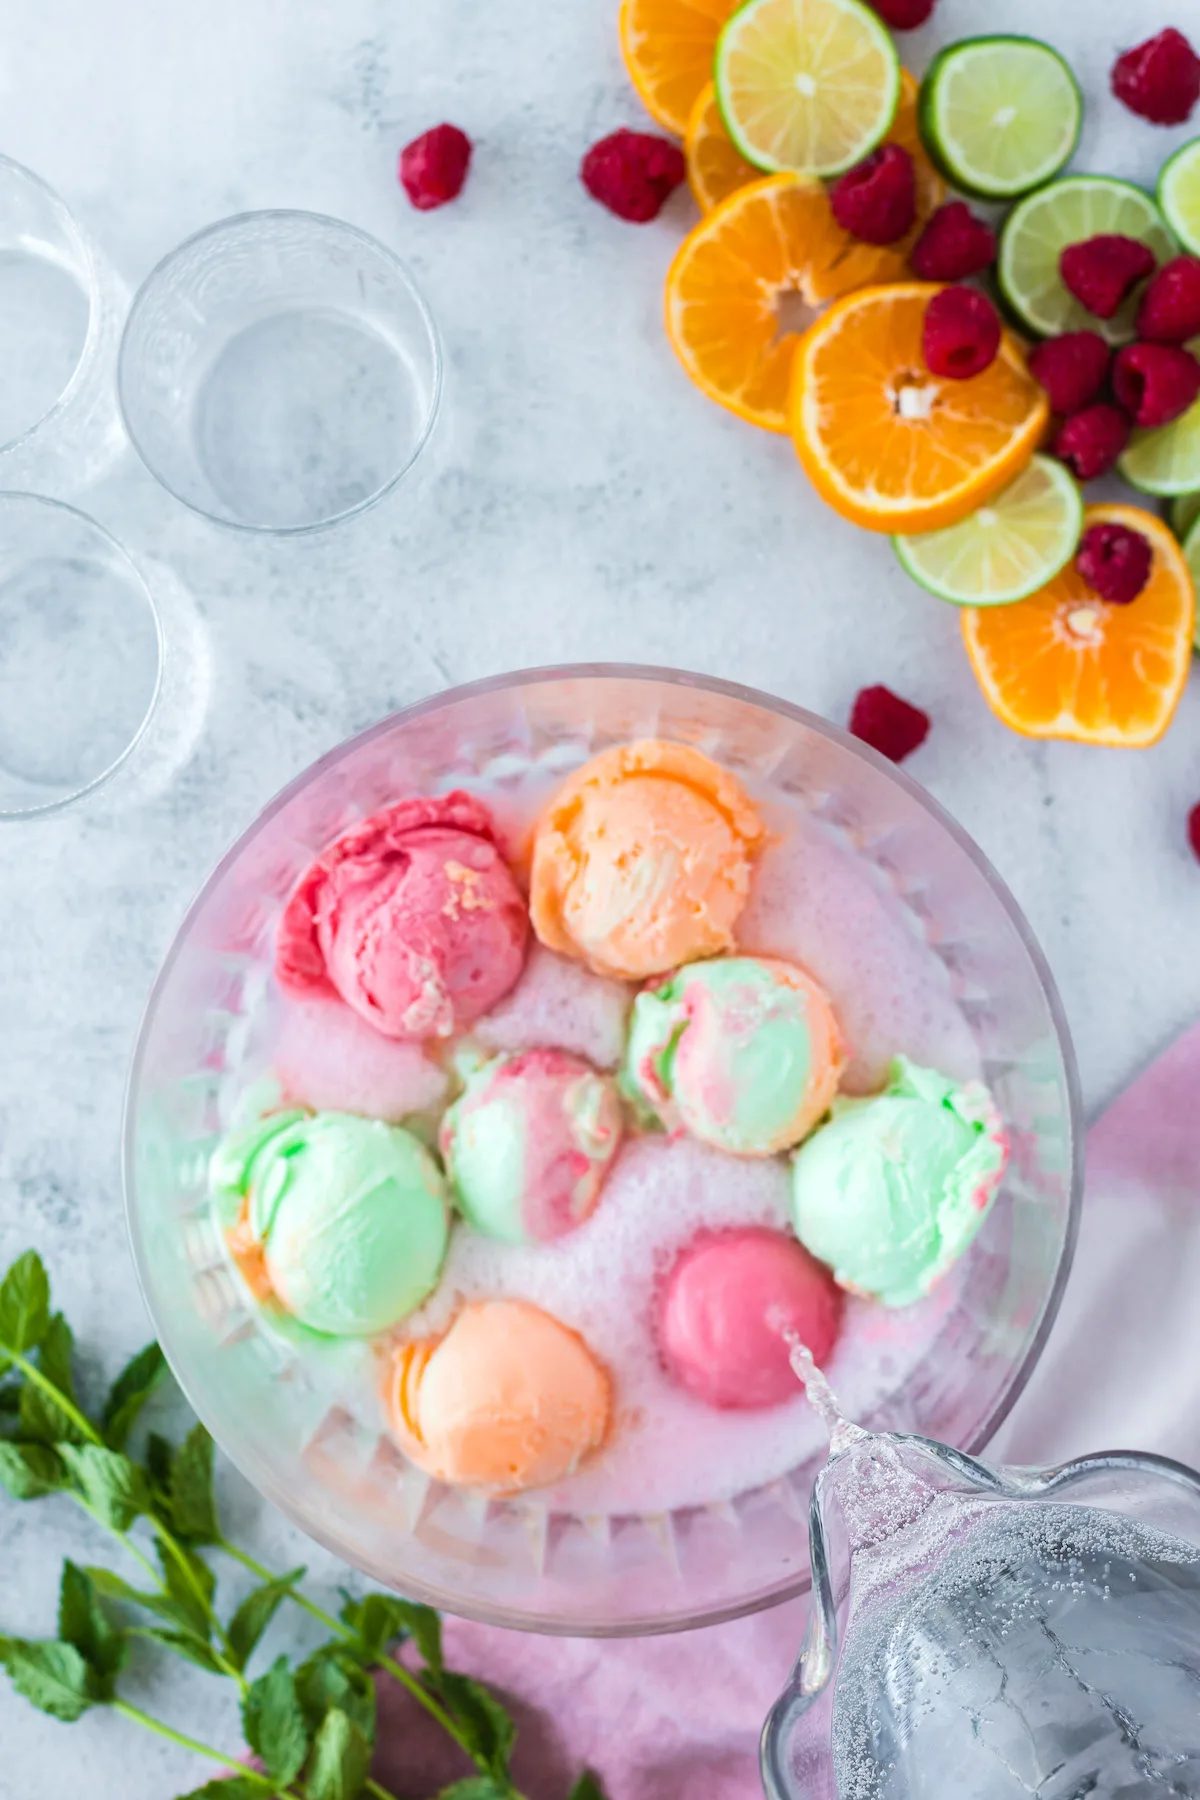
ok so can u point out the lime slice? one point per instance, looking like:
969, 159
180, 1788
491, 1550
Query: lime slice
1038, 230
1000, 115
1179, 195
1005, 550
1191, 556
1166, 459
1185, 510
806, 85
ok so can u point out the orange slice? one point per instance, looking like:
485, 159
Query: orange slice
1065, 664
715, 167
768, 251
668, 46
890, 445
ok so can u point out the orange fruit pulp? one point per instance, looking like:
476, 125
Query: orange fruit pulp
886, 442
668, 46
1066, 664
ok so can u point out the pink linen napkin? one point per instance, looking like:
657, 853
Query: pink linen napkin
678, 1718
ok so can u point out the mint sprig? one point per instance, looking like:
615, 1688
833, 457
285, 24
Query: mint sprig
309, 1725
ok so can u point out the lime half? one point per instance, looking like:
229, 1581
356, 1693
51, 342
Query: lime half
1000, 115
1166, 458
1191, 556
1185, 510
1039, 229
806, 85
1179, 195
1006, 550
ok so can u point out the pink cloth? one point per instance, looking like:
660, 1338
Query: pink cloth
678, 1718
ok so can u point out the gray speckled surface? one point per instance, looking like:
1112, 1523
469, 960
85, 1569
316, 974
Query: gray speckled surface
580, 501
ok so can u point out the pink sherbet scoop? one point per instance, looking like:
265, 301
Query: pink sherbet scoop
414, 918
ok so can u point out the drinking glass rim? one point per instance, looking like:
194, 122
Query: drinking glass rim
409, 281
19, 815
91, 294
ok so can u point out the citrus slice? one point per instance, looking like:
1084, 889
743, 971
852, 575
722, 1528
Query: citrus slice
1066, 664
716, 168
887, 443
1191, 556
1000, 114
1006, 550
774, 248
668, 48
1165, 459
806, 85
1040, 227
1179, 195
1184, 511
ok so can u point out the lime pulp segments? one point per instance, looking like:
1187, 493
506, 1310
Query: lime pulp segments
1040, 227
1006, 550
806, 85
1191, 556
1179, 195
1000, 115
1166, 458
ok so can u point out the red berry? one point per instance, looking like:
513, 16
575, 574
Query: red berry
1155, 382
888, 723
1159, 79
876, 200
1071, 368
904, 15
1114, 561
961, 333
1193, 830
953, 245
1102, 270
1170, 308
1089, 442
434, 166
633, 173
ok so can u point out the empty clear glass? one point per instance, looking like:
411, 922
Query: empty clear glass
60, 312
279, 371
82, 655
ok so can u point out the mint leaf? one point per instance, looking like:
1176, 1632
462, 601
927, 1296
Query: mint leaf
41, 1419
256, 1612
185, 1644
24, 1304
193, 1506
340, 1760
474, 1787
51, 1676
10, 1397
191, 1585
486, 1727
274, 1723
30, 1471
588, 1787
163, 1606
159, 1452
129, 1393
81, 1621
229, 1787
378, 1619
115, 1488
333, 1678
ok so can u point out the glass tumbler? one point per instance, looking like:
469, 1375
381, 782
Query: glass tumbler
279, 371
80, 655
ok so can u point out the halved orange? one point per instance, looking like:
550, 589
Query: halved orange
716, 168
668, 46
891, 445
1066, 664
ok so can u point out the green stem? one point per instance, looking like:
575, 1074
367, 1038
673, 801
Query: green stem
175, 1551
64, 1404
160, 1729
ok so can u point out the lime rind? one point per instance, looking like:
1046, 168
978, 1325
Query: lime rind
1000, 115
1179, 195
1067, 211
1191, 556
1006, 550
807, 87
1185, 510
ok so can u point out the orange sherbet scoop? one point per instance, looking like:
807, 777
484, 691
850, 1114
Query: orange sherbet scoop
642, 860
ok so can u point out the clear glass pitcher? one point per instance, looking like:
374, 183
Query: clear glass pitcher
984, 1633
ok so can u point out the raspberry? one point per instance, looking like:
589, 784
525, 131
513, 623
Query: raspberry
961, 333
1102, 270
1155, 382
633, 173
1159, 79
888, 723
1193, 831
1071, 368
1114, 561
434, 166
1089, 442
953, 245
904, 15
1170, 309
876, 200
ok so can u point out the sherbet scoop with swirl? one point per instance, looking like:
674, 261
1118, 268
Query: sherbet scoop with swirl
895, 1187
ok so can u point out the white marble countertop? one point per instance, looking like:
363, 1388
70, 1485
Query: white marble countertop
581, 501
